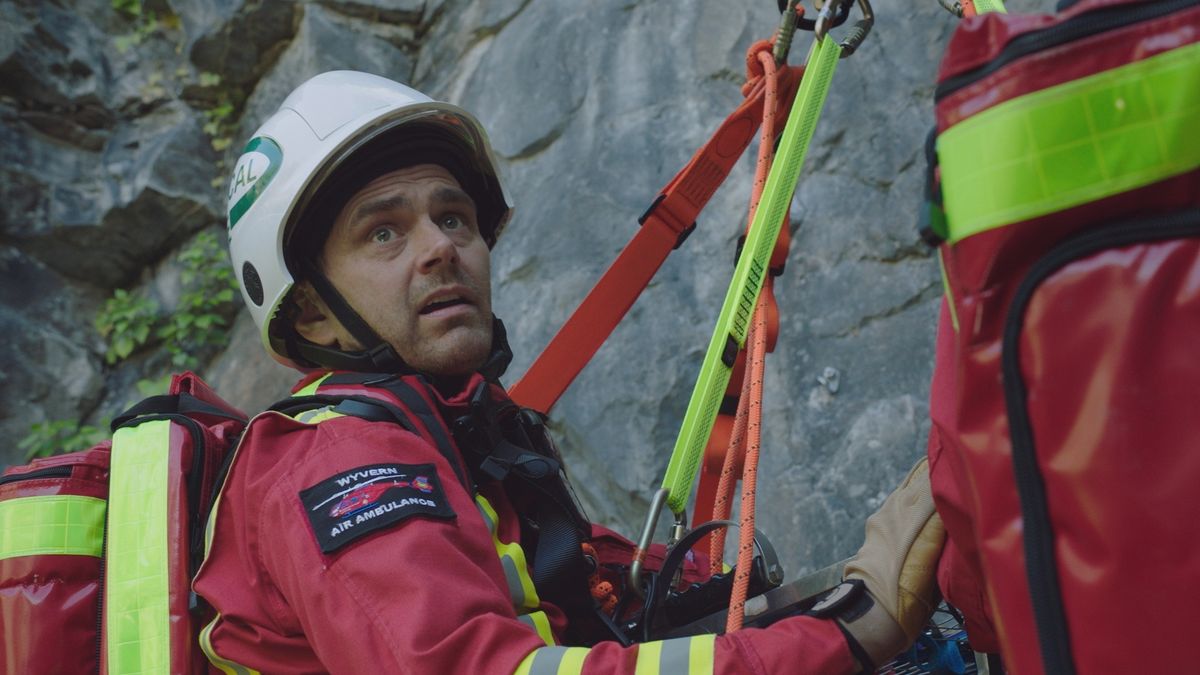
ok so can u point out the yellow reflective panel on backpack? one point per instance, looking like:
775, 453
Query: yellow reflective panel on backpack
136, 593
52, 525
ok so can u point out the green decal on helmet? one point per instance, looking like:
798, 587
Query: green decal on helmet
255, 168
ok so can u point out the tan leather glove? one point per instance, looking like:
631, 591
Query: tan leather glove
898, 562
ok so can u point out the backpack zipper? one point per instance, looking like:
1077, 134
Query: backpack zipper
49, 472
1078, 27
1040, 560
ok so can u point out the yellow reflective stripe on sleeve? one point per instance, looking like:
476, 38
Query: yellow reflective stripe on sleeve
648, 656
702, 651
311, 388
52, 525
512, 559
540, 624
554, 661
224, 665
136, 591
678, 656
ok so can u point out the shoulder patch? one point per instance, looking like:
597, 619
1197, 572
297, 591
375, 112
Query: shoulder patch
360, 501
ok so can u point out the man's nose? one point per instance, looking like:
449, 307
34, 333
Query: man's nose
437, 248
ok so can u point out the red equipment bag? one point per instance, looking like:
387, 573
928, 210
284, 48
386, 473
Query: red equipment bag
1068, 445
98, 548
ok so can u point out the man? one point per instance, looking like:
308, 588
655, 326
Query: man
355, 535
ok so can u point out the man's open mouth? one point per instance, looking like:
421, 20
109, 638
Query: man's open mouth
443, 304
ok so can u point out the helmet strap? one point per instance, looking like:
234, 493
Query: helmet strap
377, 357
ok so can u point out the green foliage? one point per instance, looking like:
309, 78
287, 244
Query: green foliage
128, 321
125, 322
145, 23
201, 320
130, 8
199, 323
59, 436
218, 124
151, 386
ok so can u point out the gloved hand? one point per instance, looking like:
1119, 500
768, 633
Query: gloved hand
898, 562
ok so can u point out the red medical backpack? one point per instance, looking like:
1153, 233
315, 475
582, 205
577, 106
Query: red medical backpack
98, 548
1068, 149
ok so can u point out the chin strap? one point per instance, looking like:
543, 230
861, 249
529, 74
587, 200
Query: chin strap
379, 356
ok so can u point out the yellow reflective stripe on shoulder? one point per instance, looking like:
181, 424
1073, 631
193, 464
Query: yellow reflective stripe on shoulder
512, 559
224, 665
317, 415
554, 661
52, 525
136, 591
678, 656
311, 388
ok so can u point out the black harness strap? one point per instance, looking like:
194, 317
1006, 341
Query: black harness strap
374, 410
417, 403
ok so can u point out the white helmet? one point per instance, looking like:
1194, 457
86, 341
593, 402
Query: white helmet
331, 136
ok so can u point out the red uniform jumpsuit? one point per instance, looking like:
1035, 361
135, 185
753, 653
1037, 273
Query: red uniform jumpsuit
442, 588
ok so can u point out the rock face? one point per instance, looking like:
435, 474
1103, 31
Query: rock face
113, 128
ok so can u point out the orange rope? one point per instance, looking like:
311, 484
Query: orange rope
754, 379
745, 440
759, 64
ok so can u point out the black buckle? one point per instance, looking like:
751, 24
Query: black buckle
683, 234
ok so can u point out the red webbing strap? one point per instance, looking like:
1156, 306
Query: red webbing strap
671, 216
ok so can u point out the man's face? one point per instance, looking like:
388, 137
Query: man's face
407, 255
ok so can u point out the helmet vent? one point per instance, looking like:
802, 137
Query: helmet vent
252, 284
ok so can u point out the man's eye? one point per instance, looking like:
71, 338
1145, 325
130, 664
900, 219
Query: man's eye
452, 222
382, 234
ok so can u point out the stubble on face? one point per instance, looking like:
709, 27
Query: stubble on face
407, 255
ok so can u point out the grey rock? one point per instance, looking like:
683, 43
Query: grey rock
240, 40
54, 72
244, 375
320, 45
47, 370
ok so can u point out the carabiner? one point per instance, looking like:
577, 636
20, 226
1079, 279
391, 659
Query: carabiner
810, 24
787, 28
828, 16
643, 543
953, 6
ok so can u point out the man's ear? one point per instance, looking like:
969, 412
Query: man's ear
314, 322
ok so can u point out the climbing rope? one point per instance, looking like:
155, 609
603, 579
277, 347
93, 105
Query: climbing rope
743, 451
